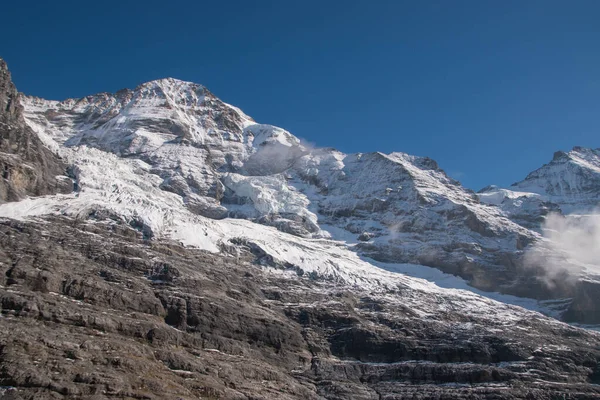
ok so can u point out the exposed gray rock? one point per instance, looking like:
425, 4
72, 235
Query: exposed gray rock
92, 310
28, 168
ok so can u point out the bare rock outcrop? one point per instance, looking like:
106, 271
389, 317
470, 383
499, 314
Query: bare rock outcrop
28, 168
94, 310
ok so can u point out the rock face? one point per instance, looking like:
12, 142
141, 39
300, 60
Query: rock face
94, 310
28, 168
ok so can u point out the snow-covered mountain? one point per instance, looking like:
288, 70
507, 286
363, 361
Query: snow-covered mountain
560, 200
571, 179
219, 163
570, 183
171, 159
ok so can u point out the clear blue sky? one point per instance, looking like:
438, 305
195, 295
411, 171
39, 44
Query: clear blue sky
490, 89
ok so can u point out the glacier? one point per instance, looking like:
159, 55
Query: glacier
176, 162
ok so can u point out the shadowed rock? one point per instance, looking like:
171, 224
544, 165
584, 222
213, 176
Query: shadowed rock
28, 168
93, 310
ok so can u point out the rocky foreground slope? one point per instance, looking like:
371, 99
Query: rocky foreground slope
93, 310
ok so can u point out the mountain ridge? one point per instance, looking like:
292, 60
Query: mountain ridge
392, 208
224, 164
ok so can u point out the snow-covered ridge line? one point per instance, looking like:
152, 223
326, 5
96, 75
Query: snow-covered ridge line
124, 188
173, 159
569, 183
573, 175
220, 162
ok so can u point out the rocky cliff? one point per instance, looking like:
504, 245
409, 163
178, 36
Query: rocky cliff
94, 310
28, 168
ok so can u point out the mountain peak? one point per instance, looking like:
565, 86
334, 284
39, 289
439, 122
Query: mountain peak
173, 91
575, 152
570, 178
3, 65
585, 152
171, 83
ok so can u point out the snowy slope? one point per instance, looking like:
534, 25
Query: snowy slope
525, 208
123, 189
221, 163
171, 159
571, 179
570, 182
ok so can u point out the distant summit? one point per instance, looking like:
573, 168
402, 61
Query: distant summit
571, 179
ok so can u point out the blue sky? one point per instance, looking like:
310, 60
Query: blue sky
489, 89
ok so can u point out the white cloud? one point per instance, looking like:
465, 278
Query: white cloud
571, 245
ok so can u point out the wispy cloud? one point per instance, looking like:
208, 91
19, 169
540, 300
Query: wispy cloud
457, 174
571, 245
